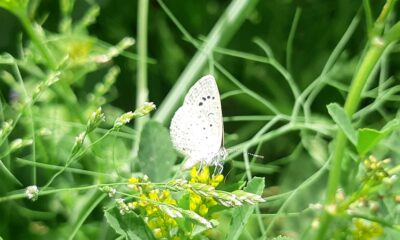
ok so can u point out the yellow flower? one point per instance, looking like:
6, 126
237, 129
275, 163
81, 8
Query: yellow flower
159, 233
171, 221
165, 194
170, 201
151, 210
153, 195
192, 206
152, 223
132, 183
133, 180
216, 180
204, 175
203, 210
193, 173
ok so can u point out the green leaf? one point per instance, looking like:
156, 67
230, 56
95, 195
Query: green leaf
5, 173
343, 121
241, 215
156, 154
316, 146
368, 138
130, 226
113, 222
83, 207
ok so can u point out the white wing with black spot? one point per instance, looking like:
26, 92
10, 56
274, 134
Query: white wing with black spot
197, 126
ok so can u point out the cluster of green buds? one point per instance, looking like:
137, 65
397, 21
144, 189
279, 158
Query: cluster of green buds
375, 169
113, 51
44, 85
365, 201
125, 118
94, 121
364, 229
97, 98
6, 129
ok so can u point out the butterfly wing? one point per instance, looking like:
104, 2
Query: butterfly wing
197, 127
204, 94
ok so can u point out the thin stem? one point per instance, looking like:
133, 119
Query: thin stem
289, 45
30, 115
27, 24
142, 91
368, 15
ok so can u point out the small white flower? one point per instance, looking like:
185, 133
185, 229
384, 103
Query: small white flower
32, 192
112, 192
315, 206
315, 223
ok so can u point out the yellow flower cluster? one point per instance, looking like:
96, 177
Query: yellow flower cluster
197, 203
149, 204
160, 210
365, 230
158, 221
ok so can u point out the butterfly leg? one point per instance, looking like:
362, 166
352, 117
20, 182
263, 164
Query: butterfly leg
200, 169
218, 168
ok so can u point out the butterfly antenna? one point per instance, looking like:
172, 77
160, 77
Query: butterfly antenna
231, 150
227, 174
256, 155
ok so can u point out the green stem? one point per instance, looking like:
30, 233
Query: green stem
289, 45
222, 32
27, 24
142, 91
367, 65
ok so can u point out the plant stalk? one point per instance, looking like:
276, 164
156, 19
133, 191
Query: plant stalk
36, 39
371, 59
142, 91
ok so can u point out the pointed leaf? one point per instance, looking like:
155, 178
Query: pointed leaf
343, 121
130, 226
368, 138
241, 215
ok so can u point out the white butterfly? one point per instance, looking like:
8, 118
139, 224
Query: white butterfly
197, 128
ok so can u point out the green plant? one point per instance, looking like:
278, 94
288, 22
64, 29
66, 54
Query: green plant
317, 99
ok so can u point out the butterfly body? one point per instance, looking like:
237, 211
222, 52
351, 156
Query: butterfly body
197, 126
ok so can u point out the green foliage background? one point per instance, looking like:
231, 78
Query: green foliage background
279, 51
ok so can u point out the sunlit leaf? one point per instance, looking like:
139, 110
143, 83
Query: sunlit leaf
156, 154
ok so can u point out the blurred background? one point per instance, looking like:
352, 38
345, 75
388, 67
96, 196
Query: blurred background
317, 28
